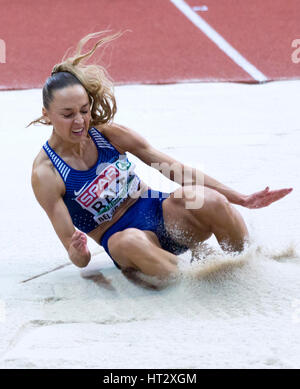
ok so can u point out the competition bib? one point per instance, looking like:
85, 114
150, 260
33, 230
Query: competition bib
113, 184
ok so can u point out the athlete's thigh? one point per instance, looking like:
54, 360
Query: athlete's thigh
186, 215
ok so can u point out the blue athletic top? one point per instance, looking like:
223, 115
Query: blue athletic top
92, 196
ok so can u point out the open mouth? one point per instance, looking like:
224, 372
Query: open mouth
78, 132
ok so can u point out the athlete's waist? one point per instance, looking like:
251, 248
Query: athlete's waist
97, 233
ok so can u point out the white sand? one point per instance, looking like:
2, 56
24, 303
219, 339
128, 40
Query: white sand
247, 316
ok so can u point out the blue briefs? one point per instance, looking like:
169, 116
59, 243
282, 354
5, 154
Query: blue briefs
145, 214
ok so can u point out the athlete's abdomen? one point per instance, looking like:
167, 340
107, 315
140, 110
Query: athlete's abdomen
97, 233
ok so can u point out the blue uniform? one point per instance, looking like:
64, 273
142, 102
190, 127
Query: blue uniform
92, 196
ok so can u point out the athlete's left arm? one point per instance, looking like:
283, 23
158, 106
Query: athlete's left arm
128, 140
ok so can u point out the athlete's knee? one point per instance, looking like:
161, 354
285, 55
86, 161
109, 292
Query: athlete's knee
213, 205
123, 242
220, 203
216, 211
205, 198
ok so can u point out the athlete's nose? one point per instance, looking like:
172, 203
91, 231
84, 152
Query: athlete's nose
79, 119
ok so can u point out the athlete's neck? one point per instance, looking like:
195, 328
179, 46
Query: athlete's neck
67, 147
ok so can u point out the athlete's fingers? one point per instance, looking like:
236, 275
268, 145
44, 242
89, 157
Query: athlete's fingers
77, 236
80, 241
76, 245
265, 198
278, 192
82, 249
277, 195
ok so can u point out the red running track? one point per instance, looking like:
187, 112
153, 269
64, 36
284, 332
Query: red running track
164, 46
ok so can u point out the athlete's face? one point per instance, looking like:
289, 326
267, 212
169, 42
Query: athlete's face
69, 113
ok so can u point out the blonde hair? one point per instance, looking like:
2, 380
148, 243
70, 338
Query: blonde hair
94, 78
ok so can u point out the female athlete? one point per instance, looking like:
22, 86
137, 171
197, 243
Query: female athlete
82, 178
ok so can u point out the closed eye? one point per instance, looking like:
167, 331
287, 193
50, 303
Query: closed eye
71, 114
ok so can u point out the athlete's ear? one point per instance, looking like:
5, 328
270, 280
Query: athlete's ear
45, 115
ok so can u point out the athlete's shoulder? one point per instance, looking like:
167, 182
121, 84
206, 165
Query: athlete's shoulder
40, 159
112, 133
43, 173
41, 164
123, 137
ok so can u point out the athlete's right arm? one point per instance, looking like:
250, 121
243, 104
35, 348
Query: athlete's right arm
48, 193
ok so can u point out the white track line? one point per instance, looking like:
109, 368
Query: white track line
219, 40
59, 267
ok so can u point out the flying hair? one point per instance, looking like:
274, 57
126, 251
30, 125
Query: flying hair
93, 77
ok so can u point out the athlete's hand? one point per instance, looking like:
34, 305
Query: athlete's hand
264, 198
78, 250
